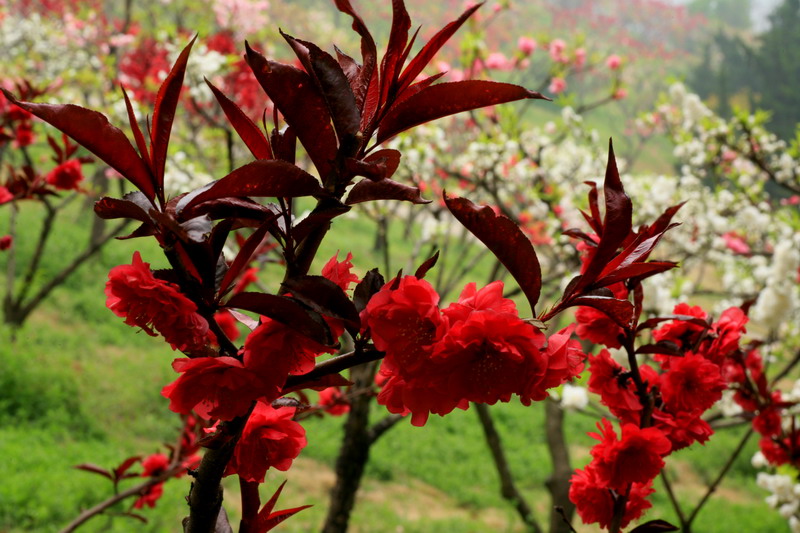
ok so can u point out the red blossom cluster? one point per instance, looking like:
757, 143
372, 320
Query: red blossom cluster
477, 349
659, 409
155, 306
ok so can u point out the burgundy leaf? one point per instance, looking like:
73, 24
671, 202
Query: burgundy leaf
264, 177
620, 311
333, 85
662, 347
616, 226
137, 132
144, 230
296, 96
198, 228
386, 160
506, 241
243, 258
277, 517
392, 62
130, 206
654, 526
349, 66
126, 464
426, 266
331, 380
369, 285
284, 144
270, 505
637, 271
287, 311
323, 296
245, 211
164, 114
94, 469
248, 131
417, 87
386, 189
653, 322
367, 75
430, 49
321, 215
93, 131
446, 99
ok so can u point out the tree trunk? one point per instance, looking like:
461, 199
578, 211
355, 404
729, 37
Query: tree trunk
558, 483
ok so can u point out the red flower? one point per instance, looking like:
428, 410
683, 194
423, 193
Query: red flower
66, 176
6, 241
682, 332
692, 383
595, 503
729, 330
155, 305
227, 324
333, 401
565, 360
5, 195
339, 272
154, 465
634, 458
683, 429
596, 326
216, 387
420, 397
404, 323
250, 276
270, 439
615, 387
274, 350
150, 497
489, 356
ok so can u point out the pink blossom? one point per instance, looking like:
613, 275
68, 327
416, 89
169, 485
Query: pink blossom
497, 60
557, 47
6, 241
620, 93
5, 195
557, 85
580, 57
614, 62
526, 45
735, 243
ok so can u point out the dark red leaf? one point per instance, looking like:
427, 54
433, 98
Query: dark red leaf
270, 505
248, 131
430, 49
323, 296
333, 85
426, 266
94, 469
417, 87
144, 230
506, 241
367, 74
392, 62
387, 158
320, 216
296, 96
243, 258
350, 68
638, 271
125, 465
662, 347
370, 284
93, 131
367, 190
133, 205
277, 517
331, 380
653, 322
284, 144
164, 114
446, 99
245, 211
620, 311
617, 224
264, 177
287, 311
138, 136
654, 526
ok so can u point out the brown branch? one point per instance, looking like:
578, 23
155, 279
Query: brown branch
508, 488
137, 490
